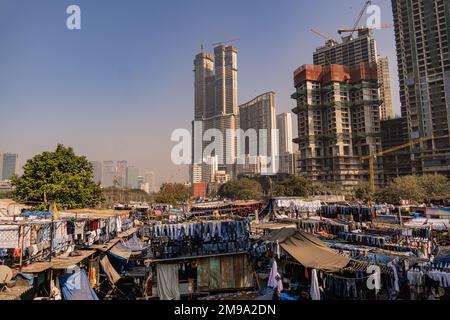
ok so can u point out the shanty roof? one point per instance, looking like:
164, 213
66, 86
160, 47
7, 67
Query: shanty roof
308, 250
58, 263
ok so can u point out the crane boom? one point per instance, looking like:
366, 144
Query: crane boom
397, 148
226, 41
373, 156
383, 26
366, 5
321, 34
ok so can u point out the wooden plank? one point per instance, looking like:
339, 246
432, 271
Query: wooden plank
226, 265
107, 246
37, 267
214, 273
60, 263
248, 273
203, 273
238, 271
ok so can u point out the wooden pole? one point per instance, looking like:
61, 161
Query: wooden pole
51, 239
51, 283
400, 216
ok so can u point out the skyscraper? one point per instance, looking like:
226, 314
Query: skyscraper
149, 178
422, 39
140, 181
109, 173
287, 157
351, 52
10, 165
132, 174
386, 109
348, 52
97, 175
284, 126
216, 104
338, 122
121, 174
259, 114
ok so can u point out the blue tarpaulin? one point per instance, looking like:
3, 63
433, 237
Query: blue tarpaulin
26, 276
442, 259
76, 286
36, 214
119, 263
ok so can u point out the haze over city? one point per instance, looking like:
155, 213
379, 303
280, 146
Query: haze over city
117, 88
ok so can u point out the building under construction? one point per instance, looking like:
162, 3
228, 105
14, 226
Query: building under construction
394, 132
351, 51
338, 122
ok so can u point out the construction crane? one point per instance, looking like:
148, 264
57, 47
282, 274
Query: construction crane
361, 14
383, 26
373, 156
323, 35
226, 41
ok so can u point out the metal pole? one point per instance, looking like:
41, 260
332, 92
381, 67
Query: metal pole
21, 248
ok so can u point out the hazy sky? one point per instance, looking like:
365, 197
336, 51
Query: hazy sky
117, 88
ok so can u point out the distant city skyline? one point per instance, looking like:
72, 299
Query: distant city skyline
8, 165
120, 173
117, 90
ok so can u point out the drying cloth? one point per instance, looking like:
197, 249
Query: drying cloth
168, 286
274, 278
109, 270
315, 291
396, 284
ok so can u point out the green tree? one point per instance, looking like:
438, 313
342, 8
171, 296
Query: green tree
436, 187
362, 192
403, 188
241, 189
172, 193
59, 176
294, 187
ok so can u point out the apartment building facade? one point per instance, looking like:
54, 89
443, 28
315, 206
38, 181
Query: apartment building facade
422, 40
216, 108
338, 122
353, 51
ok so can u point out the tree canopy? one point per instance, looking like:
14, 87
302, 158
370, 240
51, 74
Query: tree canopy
172, 193
362, 192
436, 187
294, 187
419, 189
241, 189
59, 176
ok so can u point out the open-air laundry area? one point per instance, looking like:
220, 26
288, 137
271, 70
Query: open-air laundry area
286, 249
348, 251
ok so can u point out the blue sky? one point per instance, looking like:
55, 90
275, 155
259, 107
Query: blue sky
117, 88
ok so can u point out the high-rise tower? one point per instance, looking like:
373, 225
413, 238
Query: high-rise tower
216, 108
422, 38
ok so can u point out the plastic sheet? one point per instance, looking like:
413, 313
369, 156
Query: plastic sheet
76, 286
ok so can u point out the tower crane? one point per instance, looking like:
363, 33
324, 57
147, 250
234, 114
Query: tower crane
372, 156
358, 20
226, 41
323, 35
383, 26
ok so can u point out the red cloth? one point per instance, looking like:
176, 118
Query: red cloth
17, 252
